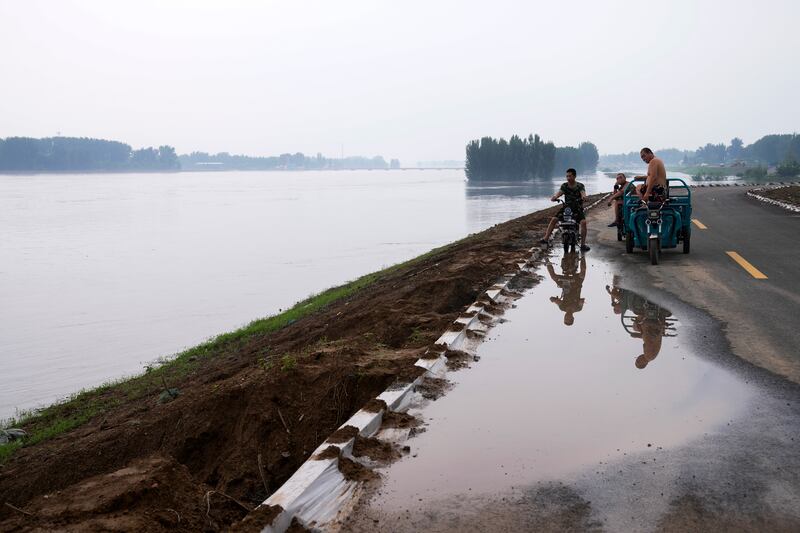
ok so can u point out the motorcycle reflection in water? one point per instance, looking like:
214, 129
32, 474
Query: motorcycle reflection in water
570, 281
642, 319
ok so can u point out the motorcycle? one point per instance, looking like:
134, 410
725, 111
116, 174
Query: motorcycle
568, 227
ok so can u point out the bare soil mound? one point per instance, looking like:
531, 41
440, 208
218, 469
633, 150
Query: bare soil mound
790, 195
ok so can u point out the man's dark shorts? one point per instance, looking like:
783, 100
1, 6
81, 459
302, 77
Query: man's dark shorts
657, 194
577, 213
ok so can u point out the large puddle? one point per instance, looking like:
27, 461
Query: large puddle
583, 373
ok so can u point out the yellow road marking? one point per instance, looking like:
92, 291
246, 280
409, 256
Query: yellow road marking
753, 271
699, 224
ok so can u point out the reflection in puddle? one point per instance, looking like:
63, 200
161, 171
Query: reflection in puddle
553, 395
570, 281
642, 319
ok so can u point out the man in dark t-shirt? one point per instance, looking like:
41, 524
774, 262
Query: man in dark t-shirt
574, 194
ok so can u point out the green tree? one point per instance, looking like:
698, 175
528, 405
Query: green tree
167, 158
525, 158
734, 151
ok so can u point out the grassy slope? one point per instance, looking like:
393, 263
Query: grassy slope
46, 423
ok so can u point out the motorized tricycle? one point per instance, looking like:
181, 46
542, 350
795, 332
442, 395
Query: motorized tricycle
658, 223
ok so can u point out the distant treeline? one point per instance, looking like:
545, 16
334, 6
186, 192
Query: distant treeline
297, 161
768, 150
524, 159
72, 154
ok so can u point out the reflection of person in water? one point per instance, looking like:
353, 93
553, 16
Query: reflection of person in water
651, 332
616, 295
649, 321
570, 281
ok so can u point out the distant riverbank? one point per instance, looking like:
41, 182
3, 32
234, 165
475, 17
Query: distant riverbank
204, 170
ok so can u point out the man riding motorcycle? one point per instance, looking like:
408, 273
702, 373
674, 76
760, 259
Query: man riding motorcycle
574, 194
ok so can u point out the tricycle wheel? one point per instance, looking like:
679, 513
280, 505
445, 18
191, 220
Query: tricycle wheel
653, 249
687, 237
619, 233
629, 242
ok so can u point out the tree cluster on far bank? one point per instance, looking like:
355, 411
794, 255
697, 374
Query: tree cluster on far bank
518, 159
73, 154
296, 161
780, 151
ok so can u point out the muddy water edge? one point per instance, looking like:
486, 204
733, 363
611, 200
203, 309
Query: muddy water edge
599, 404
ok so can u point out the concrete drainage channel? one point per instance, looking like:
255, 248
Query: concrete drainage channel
318, 495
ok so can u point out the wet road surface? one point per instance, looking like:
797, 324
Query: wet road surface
759, 316
597, 407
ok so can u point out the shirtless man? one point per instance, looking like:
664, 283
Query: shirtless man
656, 179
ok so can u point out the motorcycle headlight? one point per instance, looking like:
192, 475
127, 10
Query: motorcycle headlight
653, 214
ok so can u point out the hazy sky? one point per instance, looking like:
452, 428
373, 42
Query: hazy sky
408, 79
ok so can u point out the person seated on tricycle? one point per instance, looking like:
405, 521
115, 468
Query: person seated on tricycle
616, 199
574, 194
655, 185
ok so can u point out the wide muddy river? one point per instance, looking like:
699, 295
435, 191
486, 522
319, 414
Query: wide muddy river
101, 274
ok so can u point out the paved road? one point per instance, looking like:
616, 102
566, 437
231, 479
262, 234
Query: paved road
761, 316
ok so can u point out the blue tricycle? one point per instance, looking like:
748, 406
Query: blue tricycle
656, 225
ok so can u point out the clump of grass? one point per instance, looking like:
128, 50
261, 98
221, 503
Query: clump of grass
288, 362
7, 450
60, 417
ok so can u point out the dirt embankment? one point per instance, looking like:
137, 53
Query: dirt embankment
790, 195
243, 422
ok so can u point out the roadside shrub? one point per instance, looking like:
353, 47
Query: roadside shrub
755, 173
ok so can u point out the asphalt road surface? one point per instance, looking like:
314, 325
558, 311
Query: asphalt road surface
760, 315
